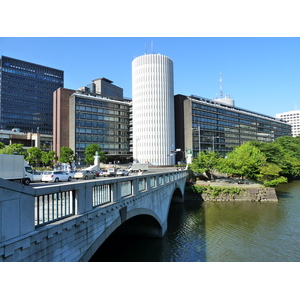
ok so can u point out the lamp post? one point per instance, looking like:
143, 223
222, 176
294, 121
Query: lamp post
137, 139
199, 138
214, 141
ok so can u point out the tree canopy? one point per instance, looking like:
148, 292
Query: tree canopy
269, 163
34, 156
205, 162
14, 149
244, 161
90, 152
67, 155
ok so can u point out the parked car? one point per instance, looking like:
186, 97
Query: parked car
37, 176
95, 172
122, 172
84, 174
104, 173
55, 176
101, 173
71, 173
111, 171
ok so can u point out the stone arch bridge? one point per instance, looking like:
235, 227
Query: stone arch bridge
69, 222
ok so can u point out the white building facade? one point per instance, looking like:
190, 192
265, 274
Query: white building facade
292, 118
153, 129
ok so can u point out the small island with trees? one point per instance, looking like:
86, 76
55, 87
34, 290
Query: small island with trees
264, 165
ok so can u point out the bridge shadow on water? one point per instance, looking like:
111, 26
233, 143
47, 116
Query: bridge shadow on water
184, 240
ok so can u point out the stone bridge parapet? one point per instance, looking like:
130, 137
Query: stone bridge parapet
69, 222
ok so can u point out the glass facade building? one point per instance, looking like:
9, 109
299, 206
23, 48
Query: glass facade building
203, 124
95, 119
26, 95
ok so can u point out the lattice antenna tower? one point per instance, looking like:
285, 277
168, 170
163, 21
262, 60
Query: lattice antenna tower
221, 91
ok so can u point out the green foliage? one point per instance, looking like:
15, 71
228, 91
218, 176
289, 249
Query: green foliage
33, 156
275, 182
90, 151
206, 161
67, 155
2, 145
244, 161
14, 149
48, 158
283, 152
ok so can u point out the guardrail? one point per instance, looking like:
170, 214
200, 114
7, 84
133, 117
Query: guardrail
63, 201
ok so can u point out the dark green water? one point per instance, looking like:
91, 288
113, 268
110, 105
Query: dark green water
219, 232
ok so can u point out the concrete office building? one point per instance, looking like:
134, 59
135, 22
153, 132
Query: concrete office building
204, 124
153, 129
292, 118
26, 95
94, 119
85, 117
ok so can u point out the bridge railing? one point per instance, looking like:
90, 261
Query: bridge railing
54, 206
58, 202
24, 208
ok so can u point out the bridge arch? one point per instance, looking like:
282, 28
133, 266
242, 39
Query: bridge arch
177, 195
140, 222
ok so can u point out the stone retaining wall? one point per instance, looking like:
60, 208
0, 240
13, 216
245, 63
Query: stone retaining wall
257, 194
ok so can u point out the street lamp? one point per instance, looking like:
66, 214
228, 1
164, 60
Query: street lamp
214, 141
137, 139
199, 136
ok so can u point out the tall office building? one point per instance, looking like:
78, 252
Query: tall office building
204, 124
26, 95
92, 115
94, 119
292, 118
153, 109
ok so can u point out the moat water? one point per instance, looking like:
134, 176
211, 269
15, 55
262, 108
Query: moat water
219, 232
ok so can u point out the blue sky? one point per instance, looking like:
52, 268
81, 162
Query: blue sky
260, 74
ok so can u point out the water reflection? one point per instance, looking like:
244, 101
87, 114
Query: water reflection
219, 232
237, 231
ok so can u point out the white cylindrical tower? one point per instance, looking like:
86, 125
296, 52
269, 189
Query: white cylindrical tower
153, 109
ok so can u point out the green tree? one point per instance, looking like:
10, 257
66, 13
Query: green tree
67, 155
48, 158
14, 149
2, 145
244, 161
205, 162
270, 175
34, 156
283, 152
290, 144
90, 151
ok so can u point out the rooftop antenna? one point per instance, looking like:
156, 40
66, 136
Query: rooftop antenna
221, 92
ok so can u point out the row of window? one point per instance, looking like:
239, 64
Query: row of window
104, 147
31, 75
100, 103
101, 131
